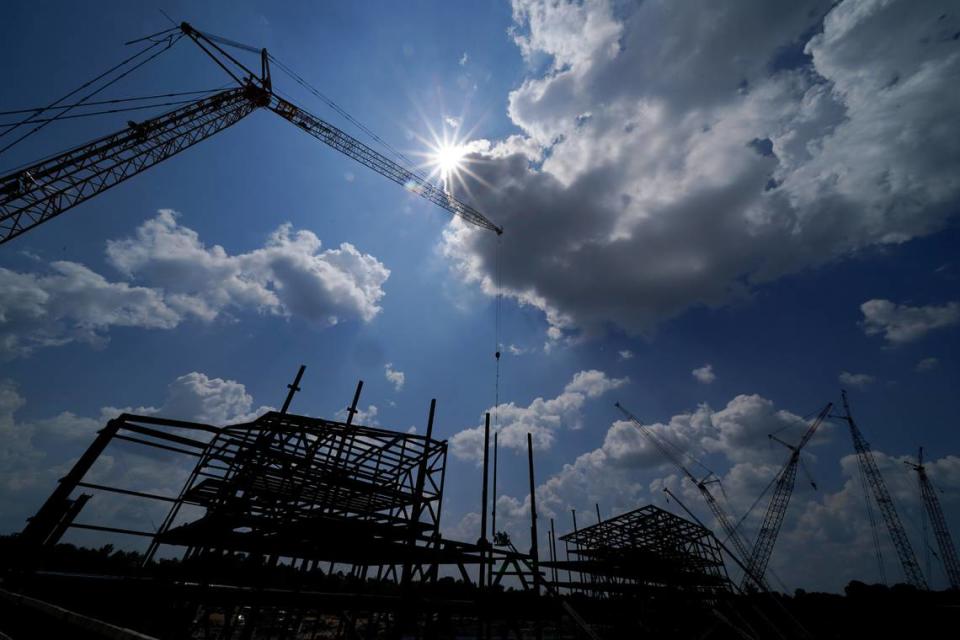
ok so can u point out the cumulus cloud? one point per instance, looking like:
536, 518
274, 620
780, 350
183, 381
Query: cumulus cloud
198, 397
541, 418
72, 303
900, 323
394, 377
290, 275
859, 380
626, 354
927, 364
653, 176
174, 276
704, 374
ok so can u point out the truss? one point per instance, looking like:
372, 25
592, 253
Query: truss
643, 549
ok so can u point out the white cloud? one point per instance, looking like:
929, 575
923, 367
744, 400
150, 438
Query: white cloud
900, 323
859, 380
541, 418
626, 354
394, 377
72, 303
198, 397
178, 277
514, 350
675, 175
290, 275
927, 364
704, 374
452, 122
464, 59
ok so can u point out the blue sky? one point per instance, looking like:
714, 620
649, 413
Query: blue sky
667, 207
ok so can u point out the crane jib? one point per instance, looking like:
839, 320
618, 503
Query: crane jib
35, 194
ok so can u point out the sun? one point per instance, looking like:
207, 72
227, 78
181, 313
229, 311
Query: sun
447, 157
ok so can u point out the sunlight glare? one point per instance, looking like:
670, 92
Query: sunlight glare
448, 159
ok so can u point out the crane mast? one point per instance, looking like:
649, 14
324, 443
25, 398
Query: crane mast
780, 500
884, 502
948, 552
718, 512
46, 189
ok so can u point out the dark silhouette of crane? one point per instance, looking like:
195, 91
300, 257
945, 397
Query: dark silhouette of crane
675, 456
41, 191
869, 469
948, 552
780, 499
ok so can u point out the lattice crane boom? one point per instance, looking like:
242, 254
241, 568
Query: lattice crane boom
715, 508
881, 495
367, 156
948, 552
780, 500
44, 190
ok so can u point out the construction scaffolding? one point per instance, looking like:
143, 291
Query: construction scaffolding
640, 552
291, 526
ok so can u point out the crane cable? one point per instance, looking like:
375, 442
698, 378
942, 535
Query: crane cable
409, 164
109, 111
93, 103
497, 343
170, 40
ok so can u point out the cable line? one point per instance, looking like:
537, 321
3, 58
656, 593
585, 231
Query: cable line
94, 103
170, 40
108, 111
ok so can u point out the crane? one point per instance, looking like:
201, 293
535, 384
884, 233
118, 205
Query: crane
868, 467
674, 456
948, 552
780, 499
43, 190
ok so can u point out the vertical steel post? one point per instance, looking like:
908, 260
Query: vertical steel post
482, 542
553, 550
356, 399
293, 389
534, 547
417, 493
575, 530
493, 525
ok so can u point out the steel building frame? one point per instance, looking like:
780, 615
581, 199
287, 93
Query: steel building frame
641, 550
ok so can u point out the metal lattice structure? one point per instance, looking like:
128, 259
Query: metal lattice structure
645, 548
45, 189
674, 455
312, 489
302, 527
779, 501
33, 195
898, 535
928, 494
